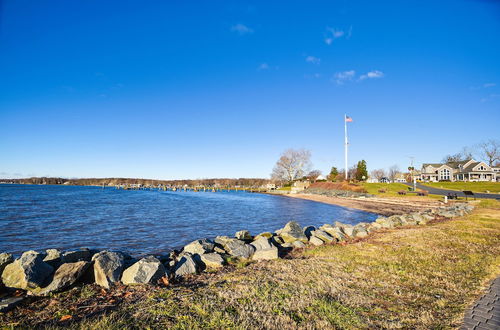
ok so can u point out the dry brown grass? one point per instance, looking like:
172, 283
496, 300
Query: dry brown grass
413, 277
339, 186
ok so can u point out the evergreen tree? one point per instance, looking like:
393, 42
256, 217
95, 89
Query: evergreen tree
361, 172
333, 174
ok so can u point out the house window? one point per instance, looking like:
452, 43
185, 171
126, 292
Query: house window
482, 168
445, 174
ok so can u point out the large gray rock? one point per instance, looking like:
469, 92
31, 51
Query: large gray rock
277, 241
396, 220
298, 244
147, 270
211, 260
360, 232
223, 240
108, 268
322, 235
264, 234
375, 226
235, 247
384, 222
264, 250
5, 259
243, 235
316, 241
293, 232
364, 225
426, 217
348, 230
262, 244
77, 255
28, 272
200, 246
335, 232
186, 265
239, 249
268, 254
53, 257
65, 276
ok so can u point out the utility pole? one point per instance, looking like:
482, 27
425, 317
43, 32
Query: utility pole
411, 173
345, 145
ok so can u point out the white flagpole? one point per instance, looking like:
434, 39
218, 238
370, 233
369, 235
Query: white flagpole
345, 149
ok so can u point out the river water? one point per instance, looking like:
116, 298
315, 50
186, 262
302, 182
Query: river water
145, 221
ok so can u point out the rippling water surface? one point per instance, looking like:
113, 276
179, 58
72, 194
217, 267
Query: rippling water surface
145, 221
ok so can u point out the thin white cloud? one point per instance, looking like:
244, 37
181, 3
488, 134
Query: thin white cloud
241, 29
313, 76
344, 76
313, 60
372, 75
349, 33
333, 33
490, 98
263, 66
485, 85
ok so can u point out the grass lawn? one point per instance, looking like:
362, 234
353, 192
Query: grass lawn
492, 187
391, 188
412, 277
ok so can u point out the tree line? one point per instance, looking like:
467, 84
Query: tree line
295, 164
487, 151
214, 182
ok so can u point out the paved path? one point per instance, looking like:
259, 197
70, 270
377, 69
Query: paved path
485, 313
445, 192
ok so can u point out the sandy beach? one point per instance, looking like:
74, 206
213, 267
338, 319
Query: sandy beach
383, 206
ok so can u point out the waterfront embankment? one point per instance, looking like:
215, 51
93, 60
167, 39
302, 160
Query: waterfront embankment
398, 276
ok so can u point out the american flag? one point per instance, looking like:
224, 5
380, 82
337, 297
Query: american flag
348, 119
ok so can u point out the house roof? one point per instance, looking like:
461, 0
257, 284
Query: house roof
431, 164
470, 167
449, 164
456, 164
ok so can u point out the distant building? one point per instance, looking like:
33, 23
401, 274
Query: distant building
384, 180
299, 186
401, 177
320, 177
269, 186
467, 170
496, 169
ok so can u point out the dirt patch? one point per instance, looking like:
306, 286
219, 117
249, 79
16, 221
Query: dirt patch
338, 186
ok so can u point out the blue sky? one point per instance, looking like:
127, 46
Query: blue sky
185, 89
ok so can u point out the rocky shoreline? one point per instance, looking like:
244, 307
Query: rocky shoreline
41, 274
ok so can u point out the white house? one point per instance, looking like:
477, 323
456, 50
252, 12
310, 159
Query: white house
467, 170
401, 177
299, 186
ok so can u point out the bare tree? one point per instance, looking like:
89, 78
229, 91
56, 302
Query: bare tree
464, 154
489, 151
351, 173
313, 175
393, 172
378, 174
293, 164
